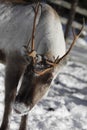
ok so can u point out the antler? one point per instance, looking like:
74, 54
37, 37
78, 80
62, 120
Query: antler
34, 54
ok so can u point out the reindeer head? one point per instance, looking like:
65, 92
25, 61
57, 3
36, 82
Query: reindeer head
34, 85
38, 75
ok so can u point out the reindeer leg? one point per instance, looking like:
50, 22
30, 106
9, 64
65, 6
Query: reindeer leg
13, 73
23, 122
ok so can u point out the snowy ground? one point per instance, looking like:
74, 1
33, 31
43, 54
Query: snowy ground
65, 106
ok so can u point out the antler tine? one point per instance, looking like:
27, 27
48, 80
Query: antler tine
44, 71
74, 40
80, 30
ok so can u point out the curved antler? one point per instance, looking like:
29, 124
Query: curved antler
33, 53
74, 40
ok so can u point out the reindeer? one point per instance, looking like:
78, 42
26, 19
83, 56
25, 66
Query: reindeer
32, 46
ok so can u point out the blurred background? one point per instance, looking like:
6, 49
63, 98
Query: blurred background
71, 12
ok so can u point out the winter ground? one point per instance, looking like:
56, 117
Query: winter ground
65, 106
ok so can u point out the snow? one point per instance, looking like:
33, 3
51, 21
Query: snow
65, 106
82, 42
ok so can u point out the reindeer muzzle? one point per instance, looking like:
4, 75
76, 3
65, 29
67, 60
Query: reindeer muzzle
21, 108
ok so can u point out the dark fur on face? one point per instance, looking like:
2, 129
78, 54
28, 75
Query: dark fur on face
2, 56
33, 85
